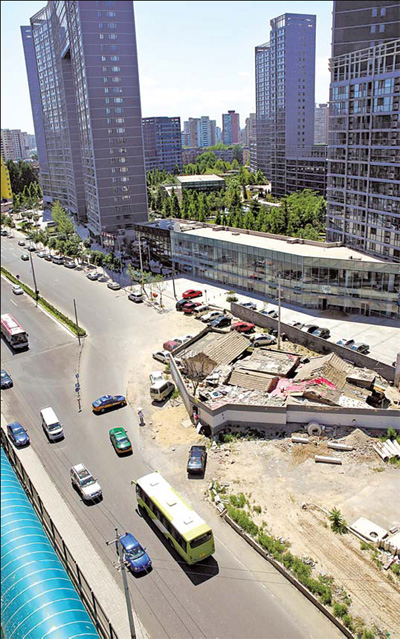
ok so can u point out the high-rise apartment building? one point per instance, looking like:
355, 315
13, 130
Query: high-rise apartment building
250, 129
162, 144
230, 128
87, 71
14, 144
285, 79
364, 136
199, 132
321, 123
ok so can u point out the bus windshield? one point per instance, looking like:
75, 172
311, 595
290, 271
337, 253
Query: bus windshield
199, 541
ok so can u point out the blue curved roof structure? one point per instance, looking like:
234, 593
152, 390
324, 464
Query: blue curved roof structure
38, 600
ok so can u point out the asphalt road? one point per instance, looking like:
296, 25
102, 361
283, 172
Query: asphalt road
235, 594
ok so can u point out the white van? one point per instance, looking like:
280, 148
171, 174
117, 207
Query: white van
160, 390
51, 424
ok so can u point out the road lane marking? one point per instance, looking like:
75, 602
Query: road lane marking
15, 304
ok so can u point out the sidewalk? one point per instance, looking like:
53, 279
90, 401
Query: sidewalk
104, 585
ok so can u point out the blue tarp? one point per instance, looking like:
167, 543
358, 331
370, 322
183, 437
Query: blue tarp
38, 600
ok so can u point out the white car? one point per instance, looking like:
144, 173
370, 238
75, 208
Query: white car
250, 305
161, 356
41, 253
156, 376
262, 339
93, 276
200, 310
182, 339
17, 290
210, 316
88, 487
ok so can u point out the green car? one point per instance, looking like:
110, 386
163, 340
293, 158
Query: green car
120, 440
25, 257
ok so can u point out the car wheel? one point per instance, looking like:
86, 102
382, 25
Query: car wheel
102, 410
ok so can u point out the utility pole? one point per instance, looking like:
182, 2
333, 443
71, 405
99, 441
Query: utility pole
279, 316
34, 279
77, 325
117, 542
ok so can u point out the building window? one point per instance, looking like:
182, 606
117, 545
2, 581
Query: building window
373, 28
381, 28
383, 12
374, 12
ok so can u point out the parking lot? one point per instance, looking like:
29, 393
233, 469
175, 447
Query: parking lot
382, 335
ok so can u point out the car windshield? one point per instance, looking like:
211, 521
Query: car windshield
121, 438
86, 480
54, 426
18, 430
195, 454
135, 553
4, 374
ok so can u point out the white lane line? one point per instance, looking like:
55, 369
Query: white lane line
13, 302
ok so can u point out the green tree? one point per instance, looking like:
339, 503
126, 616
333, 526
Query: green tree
260, 177
185, 202
21, 175
65, 226
175, 207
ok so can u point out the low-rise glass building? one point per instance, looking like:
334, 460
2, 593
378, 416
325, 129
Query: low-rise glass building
310, 274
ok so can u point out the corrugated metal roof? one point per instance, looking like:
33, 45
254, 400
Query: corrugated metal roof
37, 597
330, 366
224, 348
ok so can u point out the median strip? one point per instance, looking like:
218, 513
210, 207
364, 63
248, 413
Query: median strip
64, 319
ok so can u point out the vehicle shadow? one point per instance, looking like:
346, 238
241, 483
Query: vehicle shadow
10, 348
197, 573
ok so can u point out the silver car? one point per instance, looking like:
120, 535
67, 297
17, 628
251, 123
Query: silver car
84, 482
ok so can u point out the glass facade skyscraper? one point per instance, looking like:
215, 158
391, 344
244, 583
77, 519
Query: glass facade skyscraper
86, 61
364, 135
285, 70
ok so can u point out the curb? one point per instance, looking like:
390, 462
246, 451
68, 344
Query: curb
288, 576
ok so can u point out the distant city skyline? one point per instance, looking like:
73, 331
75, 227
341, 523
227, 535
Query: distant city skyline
205, 70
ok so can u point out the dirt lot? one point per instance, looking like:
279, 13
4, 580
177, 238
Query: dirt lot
279, 477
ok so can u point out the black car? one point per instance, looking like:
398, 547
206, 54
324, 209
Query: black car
6, 381
221, 321
322, 332
181, 303
17, 434
197, 460
32, 249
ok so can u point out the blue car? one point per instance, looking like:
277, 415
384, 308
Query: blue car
134, 554
108, 401
6, 381
17, 434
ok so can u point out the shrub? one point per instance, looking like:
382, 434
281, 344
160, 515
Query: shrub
338, 523
244, 521
257, 509
238, 502
339, 610
348, 622
231, 298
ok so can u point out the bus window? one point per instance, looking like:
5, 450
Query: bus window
201, 540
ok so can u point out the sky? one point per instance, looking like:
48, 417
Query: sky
195, 58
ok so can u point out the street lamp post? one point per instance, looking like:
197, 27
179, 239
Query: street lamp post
34, 279
77, 325
117, 542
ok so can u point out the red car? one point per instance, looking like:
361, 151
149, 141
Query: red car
243, 327
191, 293
190, 306
170, 345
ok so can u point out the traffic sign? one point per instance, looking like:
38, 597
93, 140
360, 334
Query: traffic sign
77, 388
77, 375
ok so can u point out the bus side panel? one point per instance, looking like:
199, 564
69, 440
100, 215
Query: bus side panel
163, 530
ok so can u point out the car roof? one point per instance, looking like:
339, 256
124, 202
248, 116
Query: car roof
128, 541
197, 448
117, 430
14, 425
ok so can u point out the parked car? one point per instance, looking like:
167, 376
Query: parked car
310, 328
84, 482
6, 380
69, 264
42, 254
191, 293
271, 313
93, 276
171, 345
250, 305
4, 233
221, 321
197, 460
57, 259
189, 307
322, 332
161, 356
25, 257
17, 290
21, 243
243, 327
120, 440
360, 348
17, 434
32, 249
208, 317
133, 553
161, 390
180, 304
114, 286
135, 297
182, 339
105, 402
345, 342
295, 324
156, 376
201, 310
48, 257
262, 339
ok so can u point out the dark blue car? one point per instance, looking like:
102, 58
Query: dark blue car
106, 402
134, 554
6, 381
18, 434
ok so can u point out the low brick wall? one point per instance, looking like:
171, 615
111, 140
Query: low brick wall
314, 343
